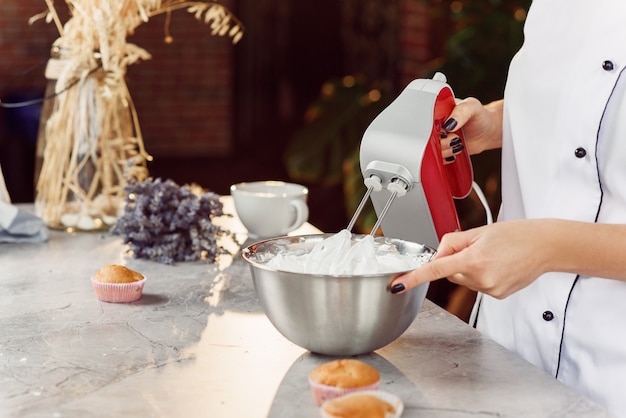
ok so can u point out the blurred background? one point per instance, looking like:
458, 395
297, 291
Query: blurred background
290, 101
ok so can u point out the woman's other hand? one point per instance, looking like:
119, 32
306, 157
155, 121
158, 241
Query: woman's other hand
482, 128
496, 259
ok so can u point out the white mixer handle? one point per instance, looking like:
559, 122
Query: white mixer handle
440, 77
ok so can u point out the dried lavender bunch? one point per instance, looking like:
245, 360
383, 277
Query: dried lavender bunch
165, 222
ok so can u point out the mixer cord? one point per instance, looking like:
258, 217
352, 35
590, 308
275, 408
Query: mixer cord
483, 201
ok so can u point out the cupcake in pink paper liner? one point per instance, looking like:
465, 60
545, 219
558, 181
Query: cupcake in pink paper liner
340, 377
116, 283
365, 404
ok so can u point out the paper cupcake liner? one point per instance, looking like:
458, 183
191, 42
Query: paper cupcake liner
118, 292
322, 393
390, 398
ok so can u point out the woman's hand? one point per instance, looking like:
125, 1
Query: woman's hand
482, 127
496, 259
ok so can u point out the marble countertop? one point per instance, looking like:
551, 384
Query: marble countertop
197, 344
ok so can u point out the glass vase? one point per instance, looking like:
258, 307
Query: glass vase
89, 147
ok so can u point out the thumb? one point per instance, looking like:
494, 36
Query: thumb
447, 261
463, 111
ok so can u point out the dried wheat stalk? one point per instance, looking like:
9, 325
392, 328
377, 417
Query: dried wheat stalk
93, 140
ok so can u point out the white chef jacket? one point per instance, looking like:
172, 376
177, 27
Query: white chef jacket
564, 156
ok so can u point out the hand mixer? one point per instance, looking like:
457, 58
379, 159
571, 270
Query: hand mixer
401, 157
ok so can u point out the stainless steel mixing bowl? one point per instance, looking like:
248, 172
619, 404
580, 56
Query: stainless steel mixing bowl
333, 315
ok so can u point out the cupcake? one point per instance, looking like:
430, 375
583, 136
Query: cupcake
363, 404
116, 283
339, 377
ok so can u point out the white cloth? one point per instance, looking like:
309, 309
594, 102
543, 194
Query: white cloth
558, 99
4, 193
17, 225
8, 212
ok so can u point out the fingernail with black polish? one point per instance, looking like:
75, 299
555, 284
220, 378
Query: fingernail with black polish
455, 141
443, 134
450, 159
457, 149
450, 124
397, 288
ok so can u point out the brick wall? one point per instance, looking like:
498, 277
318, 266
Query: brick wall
23, 46
414, 41
183, 95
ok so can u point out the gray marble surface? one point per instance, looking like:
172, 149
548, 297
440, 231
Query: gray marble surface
197, 344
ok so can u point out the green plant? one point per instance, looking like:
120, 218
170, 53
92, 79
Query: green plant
325, 149
479, 38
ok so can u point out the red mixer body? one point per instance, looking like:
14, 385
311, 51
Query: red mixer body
442, 183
